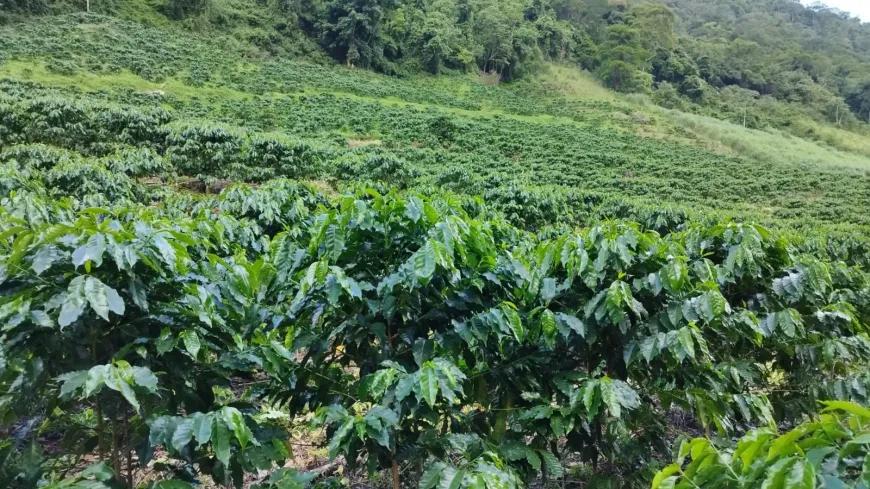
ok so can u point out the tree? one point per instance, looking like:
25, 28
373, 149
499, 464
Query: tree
859, 100
622, 60
26, 6
438, 36
183, 9
655, 25
351, 31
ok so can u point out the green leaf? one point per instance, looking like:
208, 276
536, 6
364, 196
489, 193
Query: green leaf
381, 381
548, 289
572, 322
102, 298
191, 342
557, 424
167, 252
183, 434
626, 396
339, 436
451, 478
801, 475
334, 242
551, 464
514, 322
785, 444
749, 447
144, 377
834, 482
686, 342
116, 304
865, 470
664, 474
43, 259
776, 474
72, 381
649, 348
432, 475
849, 407
548, 327
533, 458
429, 383
202, 428
610, 397
668, 483
96, 378
74, 303
220, 441
404, 387
99, 471
40, 318
413, 209
91, 251
136, 290
236, 421
424, 263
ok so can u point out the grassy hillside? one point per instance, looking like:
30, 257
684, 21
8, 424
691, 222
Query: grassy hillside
557, 140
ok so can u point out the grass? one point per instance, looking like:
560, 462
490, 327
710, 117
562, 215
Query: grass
575, 84
822, 145
766, 146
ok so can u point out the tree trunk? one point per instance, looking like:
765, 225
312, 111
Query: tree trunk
116, 447
396, 484
98, 412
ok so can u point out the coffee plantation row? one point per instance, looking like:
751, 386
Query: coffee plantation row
454, 297
539, 174
418, 335
467, 137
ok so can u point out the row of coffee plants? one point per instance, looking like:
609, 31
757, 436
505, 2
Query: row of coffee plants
449, 350
486, 153
538, 174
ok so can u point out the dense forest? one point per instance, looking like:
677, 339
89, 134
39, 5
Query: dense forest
344, 244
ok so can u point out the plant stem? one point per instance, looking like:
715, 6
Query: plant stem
396, 484
116, 447
98, 411
129, 451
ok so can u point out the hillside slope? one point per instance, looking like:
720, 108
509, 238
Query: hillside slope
552, 148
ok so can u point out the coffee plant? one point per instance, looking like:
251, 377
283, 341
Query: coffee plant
415, 336
452, 297
827, 451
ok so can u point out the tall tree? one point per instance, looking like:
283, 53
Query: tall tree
655, 25
859, 100
352, 30
25, 6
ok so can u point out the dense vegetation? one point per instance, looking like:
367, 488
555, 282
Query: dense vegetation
773, 62
830, 450
206, 248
